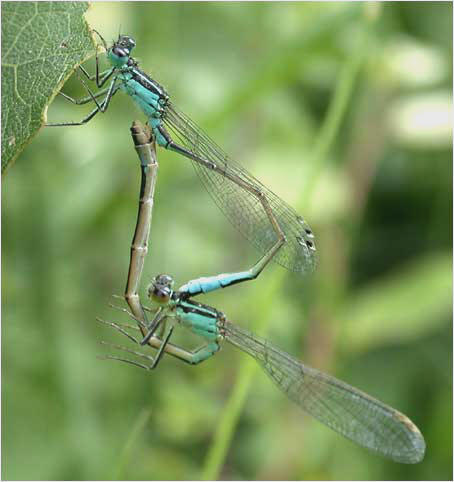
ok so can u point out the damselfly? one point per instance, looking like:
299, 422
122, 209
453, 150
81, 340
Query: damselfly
347, 410
263, 218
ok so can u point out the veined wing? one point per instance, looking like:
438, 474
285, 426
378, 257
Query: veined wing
241, 207
345, 409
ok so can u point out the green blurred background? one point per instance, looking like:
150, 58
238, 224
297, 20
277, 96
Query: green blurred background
344, 110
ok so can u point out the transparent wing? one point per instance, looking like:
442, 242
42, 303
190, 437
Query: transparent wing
345, 409
241, 207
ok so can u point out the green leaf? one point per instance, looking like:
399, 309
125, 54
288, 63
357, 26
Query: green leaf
42, 42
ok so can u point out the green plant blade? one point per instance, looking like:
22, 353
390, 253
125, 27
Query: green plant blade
42, 42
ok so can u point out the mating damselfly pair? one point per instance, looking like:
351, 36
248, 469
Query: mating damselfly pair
272, 226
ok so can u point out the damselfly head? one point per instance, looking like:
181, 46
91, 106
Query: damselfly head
160, 289
123, 46
120, 51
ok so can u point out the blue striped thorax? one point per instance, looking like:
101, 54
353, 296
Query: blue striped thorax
199, 318
119, 56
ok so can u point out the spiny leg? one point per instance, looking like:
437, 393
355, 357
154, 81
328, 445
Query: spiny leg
127, 360
99, 108
153, 311
98, 75
84, 100
194, 357
119, 328
155, 322
162, 347
101, 79
191, 357
159, 321
154, 360
90, 93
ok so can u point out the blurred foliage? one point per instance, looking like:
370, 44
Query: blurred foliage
373, 177
36, 62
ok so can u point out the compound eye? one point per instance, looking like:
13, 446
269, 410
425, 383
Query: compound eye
127, 42
120, 52
161, 295
163, 280
166, 279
